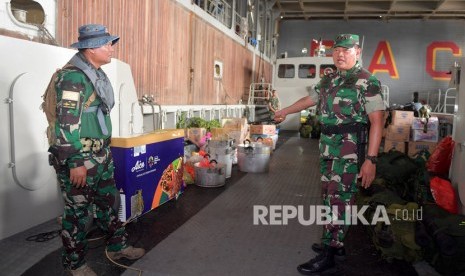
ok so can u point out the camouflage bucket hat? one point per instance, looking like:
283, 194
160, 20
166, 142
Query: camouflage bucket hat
93, 36
346, 40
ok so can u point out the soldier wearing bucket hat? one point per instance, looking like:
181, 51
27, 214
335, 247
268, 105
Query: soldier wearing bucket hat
347, 101
80, 147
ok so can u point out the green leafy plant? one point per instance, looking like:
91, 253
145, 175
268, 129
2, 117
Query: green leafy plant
312, 121
181, 121
215, 123
305, 130
196, 122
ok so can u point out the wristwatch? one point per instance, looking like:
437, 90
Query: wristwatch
372, 158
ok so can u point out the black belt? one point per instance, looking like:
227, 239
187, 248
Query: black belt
362, 136
94, 145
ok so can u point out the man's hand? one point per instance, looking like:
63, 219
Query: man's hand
298, 106
279, 116
77, 176
367, 173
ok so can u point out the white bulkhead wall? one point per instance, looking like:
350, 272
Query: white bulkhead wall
29, 193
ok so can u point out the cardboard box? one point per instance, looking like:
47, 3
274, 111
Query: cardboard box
419, 123
401, 117
220, 133
384, 132
263, 129
385, 116
396, 145
236, 123
226, 133
269, 140
444, 118
398, 133
429, 136
148, 170
416, 147
236, 128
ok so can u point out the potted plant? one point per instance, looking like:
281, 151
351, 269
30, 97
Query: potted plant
312, 120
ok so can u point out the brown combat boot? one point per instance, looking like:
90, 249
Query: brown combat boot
83, 271
129, 252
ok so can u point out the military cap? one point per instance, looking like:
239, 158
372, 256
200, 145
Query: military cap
346, 40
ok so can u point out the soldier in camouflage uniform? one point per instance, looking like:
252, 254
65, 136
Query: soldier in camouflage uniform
348, 101
81, 152
273, 102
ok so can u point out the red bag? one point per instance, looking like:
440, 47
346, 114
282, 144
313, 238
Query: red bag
439, 161
444, 194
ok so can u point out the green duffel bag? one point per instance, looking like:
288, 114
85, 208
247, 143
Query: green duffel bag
446, 251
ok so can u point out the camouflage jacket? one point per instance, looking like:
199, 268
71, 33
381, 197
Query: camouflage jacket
274, 102
73, 89
346, 98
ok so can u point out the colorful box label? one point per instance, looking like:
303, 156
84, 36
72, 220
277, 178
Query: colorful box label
420, 123
148, 175
263, 129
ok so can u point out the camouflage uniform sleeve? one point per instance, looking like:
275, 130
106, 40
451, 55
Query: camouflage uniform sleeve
72, 89
313, 92
373, 95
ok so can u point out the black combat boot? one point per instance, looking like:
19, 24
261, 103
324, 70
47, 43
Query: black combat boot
339, 255
322, 262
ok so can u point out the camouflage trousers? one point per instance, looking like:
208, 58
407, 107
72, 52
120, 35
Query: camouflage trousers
97, 202
339, 186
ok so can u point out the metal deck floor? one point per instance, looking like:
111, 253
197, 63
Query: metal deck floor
210, 231
222, 239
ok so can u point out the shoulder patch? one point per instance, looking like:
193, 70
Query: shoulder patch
70, 99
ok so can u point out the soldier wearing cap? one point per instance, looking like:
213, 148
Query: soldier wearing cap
348, 101
81, 151
273, 102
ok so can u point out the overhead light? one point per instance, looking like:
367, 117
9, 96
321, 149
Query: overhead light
281, 17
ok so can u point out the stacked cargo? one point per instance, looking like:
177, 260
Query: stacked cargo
424, 136
409, 134
398, 132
